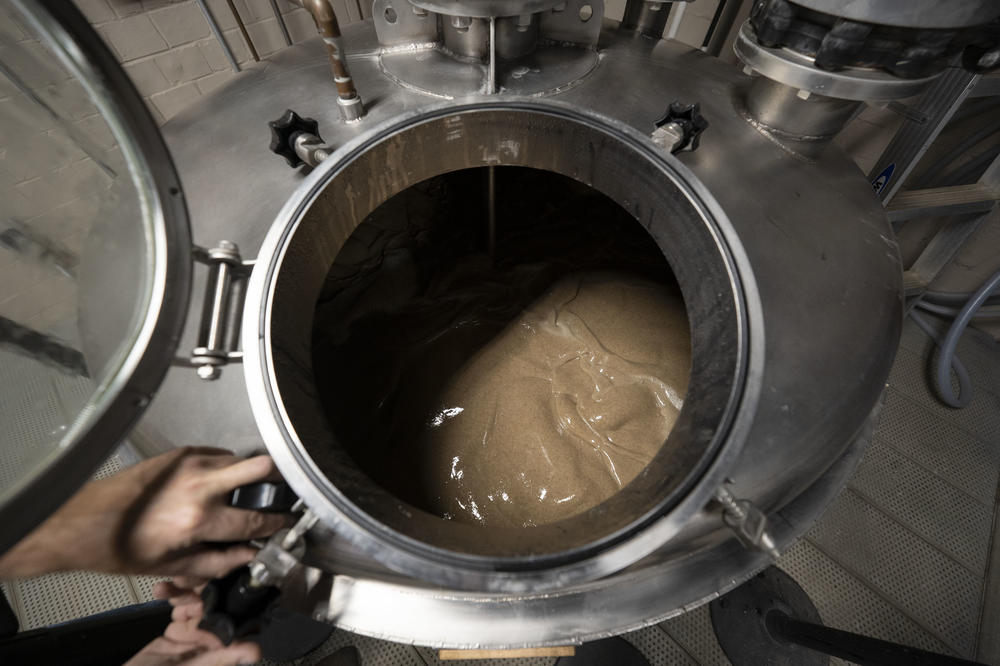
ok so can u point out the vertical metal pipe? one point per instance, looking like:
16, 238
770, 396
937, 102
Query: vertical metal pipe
722, 25
351, 106
491, 83
281, 22
675, 21
214, 27
648, 17
243, 31
491, 198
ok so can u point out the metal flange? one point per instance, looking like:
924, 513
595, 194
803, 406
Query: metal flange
799, 71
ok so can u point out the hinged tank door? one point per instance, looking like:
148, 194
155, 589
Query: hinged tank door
95, 258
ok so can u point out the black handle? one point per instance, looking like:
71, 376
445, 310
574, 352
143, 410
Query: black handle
266, 496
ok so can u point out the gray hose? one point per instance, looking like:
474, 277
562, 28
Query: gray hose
983, 314
964, 382
946, 359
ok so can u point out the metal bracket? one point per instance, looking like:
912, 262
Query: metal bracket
747, 521
225, 290
282, 553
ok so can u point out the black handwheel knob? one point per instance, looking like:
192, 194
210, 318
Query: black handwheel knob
688, 118
285, 130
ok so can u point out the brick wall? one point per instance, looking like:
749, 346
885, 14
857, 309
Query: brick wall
168, 50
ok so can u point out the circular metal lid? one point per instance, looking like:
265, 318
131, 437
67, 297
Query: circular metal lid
96, 253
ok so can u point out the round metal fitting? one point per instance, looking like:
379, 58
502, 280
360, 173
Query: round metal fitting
485, 8
911, 13
351, 109
799, 71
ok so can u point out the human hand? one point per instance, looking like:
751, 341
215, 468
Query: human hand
183, 643
166, 515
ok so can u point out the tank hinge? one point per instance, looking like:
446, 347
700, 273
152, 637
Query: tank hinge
747, 521
221, 314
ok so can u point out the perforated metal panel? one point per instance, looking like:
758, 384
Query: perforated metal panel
59, 597
934, 589
693, 632
938, 446
846, 602
372, 651
659, 648
948, 517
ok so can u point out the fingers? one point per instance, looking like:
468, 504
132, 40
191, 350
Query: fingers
231, 524
176, 593
251, 470
214, 563
237, 653
193, 610
187, 632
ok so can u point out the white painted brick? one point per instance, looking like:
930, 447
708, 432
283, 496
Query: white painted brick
704, 9
692, 30
96, 11
125, 8
70, 98
183, 64
150, 5
301, 26
214, 56
95, 128
133, 37
33, 64
209, 83
223, 16
171, 102
286, 7
180, 24
237, 46
11, 31
147, 77
259, 10
266, 36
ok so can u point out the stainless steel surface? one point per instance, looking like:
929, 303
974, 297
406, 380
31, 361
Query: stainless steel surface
808, 120
465, 37
646, 16
527, 54
485, 8
909, 13
799, 72
348, 100
124, 321
821, 221
217, 33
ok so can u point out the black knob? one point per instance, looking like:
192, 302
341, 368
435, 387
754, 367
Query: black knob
690, 122
285, 130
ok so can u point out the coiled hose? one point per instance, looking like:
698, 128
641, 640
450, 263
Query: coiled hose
947, 360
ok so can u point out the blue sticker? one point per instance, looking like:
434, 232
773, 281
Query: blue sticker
883, 178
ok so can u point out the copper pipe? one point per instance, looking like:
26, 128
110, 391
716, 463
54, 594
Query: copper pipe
326, 21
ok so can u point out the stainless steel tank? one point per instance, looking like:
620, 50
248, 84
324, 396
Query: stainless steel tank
788, 267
